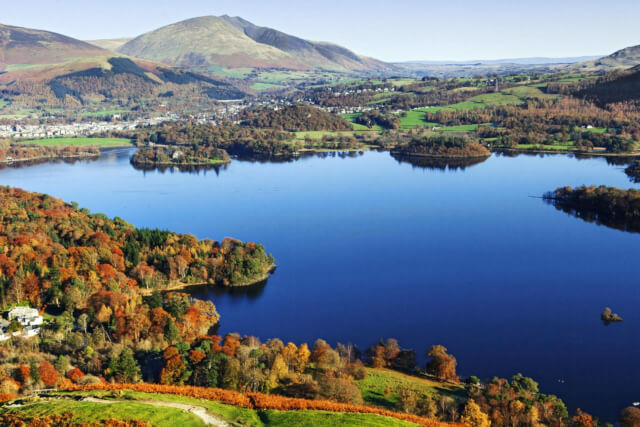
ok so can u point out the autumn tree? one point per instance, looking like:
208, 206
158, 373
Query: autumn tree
442, 365
48, 374
630, 417
473, 416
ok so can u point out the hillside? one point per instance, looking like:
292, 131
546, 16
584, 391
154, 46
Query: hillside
234, 43
205, 41
617, 87
24, 47
622, 59
41, 70
315, 54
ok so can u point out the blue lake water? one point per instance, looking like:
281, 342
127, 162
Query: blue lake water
369, 247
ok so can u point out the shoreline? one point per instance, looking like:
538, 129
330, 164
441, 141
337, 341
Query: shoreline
182, 286
580, 153
35, 159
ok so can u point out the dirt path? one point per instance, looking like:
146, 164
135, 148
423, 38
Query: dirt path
198, 411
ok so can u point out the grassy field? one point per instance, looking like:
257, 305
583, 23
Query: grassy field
87, 412
234, 73
265, 86
414, 118
351, 117
100, 142
130, 407
378, 380
524, 92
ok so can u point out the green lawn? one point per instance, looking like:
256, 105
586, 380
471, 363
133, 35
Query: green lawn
242, 416
100, 142
87, 412
378, 380
3, 102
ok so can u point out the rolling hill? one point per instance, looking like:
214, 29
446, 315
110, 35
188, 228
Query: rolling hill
234, 42
622, 59
41, 69
24, 47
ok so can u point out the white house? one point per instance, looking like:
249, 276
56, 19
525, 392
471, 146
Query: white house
27, 316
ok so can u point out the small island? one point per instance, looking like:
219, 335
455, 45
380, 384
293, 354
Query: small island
162, 155
609, 317
441, 146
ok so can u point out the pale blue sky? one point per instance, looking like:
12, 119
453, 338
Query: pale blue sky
392, 30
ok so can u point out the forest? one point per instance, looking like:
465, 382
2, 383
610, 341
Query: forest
293, 118
609, 206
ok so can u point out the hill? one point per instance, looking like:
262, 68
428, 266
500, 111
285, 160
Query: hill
234, 42
24, 47
622, 59
207, 40
616, 87
315, 54
110, 44
40, 69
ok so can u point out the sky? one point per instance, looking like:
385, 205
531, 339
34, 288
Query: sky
391, 30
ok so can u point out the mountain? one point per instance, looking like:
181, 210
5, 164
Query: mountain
24, 47
622, 59
207, 41
40, 69
234, 42
110, 44
314, 54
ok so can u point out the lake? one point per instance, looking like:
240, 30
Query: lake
368, 246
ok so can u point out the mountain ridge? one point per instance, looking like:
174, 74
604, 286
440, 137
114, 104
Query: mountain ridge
235, 42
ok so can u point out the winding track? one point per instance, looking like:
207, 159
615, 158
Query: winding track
198, 411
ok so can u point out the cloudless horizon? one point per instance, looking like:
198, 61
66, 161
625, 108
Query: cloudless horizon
408, 30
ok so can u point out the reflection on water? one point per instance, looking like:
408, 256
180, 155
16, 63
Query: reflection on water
194, 169
28, 163
439, 163
608, 218
215, 293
